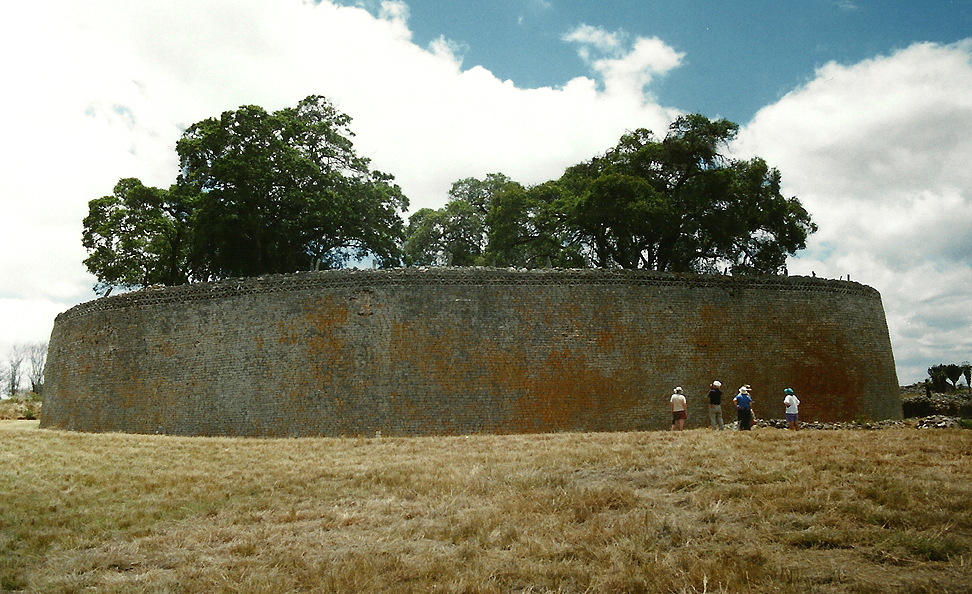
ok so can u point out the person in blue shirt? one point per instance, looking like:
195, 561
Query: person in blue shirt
744, 408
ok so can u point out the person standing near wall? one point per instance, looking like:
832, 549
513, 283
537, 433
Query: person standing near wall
792, 404
744, 410
678, 409
715, 405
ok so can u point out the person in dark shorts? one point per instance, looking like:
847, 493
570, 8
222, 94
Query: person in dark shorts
678, 409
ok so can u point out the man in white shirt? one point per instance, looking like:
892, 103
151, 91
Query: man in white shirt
792, 403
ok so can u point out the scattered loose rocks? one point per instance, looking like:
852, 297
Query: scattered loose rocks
950, 405
938, 422
930, 422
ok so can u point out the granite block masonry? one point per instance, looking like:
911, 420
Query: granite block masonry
440, 351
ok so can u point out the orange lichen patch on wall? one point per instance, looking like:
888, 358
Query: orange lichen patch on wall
317, 334
317, 325
563, 394
447, 356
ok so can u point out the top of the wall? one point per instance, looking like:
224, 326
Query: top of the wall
469, 276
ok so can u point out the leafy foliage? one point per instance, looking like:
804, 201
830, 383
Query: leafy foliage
263, 192
679, 205
532, 228
676, 205
138, 236
456, 235
257, 193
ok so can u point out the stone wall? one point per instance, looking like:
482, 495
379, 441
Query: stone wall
452, 351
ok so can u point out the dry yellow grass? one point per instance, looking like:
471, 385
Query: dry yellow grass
11, 410
698, 511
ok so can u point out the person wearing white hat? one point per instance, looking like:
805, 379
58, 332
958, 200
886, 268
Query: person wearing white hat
744, 408
678, 409
715, 405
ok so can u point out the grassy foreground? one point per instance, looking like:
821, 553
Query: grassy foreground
698, 511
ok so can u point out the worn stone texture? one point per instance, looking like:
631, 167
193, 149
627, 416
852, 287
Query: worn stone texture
464, 350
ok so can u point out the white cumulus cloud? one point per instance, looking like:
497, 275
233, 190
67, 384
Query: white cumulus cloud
624, 67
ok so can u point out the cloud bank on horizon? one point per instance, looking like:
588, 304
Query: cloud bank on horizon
877, 150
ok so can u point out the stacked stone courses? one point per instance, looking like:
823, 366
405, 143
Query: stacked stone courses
432, 351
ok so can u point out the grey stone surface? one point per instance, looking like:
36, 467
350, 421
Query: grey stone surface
464, 350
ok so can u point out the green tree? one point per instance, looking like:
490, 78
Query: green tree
677, 205
680, 205
529, 228
939, 377
278, 191
257, 193
424, 244
450, 236
457, 233
954, 373
137, 236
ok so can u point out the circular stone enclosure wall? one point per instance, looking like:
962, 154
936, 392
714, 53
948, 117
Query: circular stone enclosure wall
452, 351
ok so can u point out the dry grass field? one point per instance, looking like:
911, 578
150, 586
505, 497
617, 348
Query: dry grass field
698, 511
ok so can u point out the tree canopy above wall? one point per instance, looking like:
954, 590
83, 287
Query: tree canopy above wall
257, 193
674, 205
263, 193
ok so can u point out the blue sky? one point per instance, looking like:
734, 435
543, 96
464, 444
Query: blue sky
864, 106
739, 56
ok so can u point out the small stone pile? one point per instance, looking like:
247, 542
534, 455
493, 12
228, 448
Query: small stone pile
938, 422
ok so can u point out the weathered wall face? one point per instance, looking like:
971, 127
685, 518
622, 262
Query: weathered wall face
449, 351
